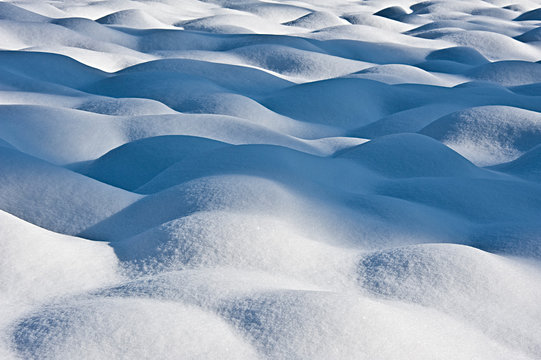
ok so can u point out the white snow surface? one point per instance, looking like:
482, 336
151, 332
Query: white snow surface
246, 179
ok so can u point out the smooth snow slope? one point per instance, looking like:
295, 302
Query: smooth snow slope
245, 179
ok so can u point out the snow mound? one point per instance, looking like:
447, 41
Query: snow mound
488, 135
132, 165
399, 74
131, 18
508, 73
253, 179
38, 264
410, 155
277, 12
394, 13
317, 20
267, 245
57, 69
461, 54
530, 15
300, 324
432, 274
13, 12
359, 101
60, 331
494, 46
50, 196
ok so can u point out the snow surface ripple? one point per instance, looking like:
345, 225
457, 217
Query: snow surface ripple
240, 179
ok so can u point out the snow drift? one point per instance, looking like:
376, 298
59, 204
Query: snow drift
270, 180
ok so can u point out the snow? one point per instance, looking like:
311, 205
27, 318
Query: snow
215, 179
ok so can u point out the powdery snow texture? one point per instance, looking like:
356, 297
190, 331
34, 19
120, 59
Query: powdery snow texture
184, 179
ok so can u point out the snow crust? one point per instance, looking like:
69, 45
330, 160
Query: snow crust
246, 179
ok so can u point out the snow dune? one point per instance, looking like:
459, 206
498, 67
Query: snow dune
270, 180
